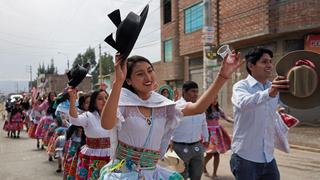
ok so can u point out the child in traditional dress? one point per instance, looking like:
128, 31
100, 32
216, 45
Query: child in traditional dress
96, 152
219, 140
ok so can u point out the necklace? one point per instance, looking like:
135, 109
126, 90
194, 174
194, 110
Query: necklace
148, 119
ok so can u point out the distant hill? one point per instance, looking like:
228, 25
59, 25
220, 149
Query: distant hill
7, 87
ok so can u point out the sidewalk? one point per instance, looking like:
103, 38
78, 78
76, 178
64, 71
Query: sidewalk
300, 137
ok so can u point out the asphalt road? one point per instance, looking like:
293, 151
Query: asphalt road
20, 160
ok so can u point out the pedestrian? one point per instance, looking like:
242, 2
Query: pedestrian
166, 91
16, 119
96, 152
75, 139
219, 140
255, 100
59, 150
186, 138
144, 120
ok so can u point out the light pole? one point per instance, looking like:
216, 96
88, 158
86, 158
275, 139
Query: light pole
66, 57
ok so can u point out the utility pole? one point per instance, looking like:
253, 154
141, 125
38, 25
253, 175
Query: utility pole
29, 70
209, 54
100, 66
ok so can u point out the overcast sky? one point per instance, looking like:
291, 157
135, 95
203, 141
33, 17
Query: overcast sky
35, 31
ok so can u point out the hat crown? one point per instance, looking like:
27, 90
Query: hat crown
303, 81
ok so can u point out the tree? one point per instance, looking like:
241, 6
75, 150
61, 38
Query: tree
107, 67
41, 69
51, 69
88, 57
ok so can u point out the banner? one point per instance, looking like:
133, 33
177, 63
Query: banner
312, 43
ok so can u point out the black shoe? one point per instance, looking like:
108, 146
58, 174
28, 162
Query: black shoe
58, 170
50, 158
38, 145
18, 136
42, 147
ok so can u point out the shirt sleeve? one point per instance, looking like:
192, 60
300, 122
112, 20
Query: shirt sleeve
120, 117
244, 100
205, 132
173, 115
81, 120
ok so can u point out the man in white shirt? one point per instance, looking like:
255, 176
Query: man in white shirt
255, 100
187, 136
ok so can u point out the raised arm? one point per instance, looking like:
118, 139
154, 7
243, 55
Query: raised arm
224, 74
72, 98
109, 112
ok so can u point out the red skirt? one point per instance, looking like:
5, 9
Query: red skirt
32, 130
89, 166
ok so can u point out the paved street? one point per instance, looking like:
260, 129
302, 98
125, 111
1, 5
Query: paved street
21, 161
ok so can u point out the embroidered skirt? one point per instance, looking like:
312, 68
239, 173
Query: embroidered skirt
88, 167
32, 130
219, 140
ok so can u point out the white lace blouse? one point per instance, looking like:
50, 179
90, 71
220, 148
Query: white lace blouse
132, 127
92, 128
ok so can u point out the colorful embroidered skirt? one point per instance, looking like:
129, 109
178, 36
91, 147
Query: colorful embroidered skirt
71, 174
72, 148
32, 130
88, 167
219, 140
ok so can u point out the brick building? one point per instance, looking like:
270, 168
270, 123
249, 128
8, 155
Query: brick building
280, 25
57, 83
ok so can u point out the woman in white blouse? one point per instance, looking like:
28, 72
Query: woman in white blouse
144, 120
96, 152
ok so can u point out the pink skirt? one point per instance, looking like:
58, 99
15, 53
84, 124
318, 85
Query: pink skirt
219, 140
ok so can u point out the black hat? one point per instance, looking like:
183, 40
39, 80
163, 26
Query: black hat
127, 31
77, 74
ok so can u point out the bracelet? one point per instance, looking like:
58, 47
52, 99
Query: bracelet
223, 76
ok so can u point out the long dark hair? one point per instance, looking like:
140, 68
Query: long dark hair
82, 100
132, 61
93, 98
72, 129
216, 107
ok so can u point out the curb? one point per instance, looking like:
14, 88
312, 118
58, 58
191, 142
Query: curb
304, 148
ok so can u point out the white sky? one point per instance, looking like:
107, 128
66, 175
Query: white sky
34, 31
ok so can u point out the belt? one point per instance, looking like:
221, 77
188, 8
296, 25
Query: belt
98, 143
189, 144
145, 158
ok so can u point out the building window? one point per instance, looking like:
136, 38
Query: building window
193, 18
166, 11
167, 50
293, 44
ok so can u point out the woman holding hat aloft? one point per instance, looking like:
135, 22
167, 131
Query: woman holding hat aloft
144, 120
96, 152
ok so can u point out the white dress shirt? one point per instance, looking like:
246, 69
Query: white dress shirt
254, 120
191, 128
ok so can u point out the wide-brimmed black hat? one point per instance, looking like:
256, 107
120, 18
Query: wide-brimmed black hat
77, 74
128, 31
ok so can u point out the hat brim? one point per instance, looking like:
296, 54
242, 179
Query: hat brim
135, 35
74, 82
282, 68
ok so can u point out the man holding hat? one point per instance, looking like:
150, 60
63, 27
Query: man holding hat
255, 100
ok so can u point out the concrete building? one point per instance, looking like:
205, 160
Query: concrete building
280, 25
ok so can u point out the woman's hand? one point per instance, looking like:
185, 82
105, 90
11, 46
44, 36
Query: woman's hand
227, 69
72, 94
120, 69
